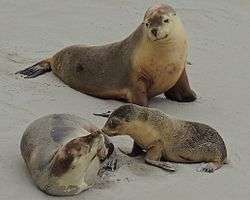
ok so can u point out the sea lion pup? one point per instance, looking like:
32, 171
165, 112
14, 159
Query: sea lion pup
63, 153
149, 62
166, 138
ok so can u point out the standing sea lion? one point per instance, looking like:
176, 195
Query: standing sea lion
166, 138
63, 153
149, 62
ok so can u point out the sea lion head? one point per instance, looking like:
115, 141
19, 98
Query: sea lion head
76, 151
159, 21
120, 120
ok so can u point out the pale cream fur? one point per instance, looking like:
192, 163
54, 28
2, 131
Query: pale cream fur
167, 57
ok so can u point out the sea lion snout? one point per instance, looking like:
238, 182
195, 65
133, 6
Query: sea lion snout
113, 127
154, 31
109, 132
120, 119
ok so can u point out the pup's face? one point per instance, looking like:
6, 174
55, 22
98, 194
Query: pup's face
158, 22
114, 126
119, 121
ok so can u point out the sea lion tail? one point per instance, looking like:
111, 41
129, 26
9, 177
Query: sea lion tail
37, 69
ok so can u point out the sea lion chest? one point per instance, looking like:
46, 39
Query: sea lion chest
159, 66
143, 134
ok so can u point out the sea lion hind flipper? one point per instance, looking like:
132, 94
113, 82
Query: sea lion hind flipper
209, 167
36, 69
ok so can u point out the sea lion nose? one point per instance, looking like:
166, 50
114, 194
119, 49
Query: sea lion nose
154, 31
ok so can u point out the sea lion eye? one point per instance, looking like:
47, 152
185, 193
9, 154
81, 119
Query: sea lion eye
114, 123
147, 24
166, 21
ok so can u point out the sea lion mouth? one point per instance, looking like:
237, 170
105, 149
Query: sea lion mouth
158, 39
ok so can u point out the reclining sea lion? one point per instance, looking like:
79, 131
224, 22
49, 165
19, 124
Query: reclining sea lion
64, 153
149, 62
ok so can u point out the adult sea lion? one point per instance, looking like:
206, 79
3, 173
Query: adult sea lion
64, 153
147, 63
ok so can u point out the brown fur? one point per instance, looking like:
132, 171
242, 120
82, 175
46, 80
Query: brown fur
166, 138
133, 70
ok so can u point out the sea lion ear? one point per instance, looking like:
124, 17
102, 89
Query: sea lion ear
147, 13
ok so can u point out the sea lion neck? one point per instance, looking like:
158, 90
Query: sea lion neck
135, 37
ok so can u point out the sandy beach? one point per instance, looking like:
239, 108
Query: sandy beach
219, 47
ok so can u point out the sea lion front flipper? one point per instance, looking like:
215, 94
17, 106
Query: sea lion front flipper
154, 155
181, 91
161, 164
136, 150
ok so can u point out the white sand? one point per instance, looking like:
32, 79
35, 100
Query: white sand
219, 33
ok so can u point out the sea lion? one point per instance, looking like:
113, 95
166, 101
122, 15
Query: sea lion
163, 137
147, 63
64, 153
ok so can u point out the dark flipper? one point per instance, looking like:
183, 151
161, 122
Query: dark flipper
181, 91
136, 151
110, 163
106, 114
109, 145
36, 69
